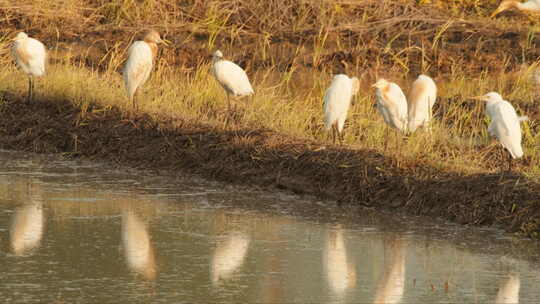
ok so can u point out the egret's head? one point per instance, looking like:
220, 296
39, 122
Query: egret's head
355, 85
20, 36
490, 97
218, 55
422, 76
506, 4
152, 36
380, 84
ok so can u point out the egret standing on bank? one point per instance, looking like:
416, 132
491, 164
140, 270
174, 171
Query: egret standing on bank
421, 100
141, 56
504, 123
337, 100
231, 77
30, 56
392, 104
532, 6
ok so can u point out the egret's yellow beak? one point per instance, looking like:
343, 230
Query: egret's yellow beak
374, 85
479, 98
497, 11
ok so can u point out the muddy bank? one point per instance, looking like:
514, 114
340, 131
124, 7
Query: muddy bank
268, 159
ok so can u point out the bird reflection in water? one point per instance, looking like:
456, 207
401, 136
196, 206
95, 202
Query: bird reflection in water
340, 274
27, 226
509, 290
228, 256
138, 248
392, 284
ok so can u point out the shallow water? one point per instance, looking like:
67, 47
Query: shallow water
78, 232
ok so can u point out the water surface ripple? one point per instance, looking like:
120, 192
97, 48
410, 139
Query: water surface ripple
79, 232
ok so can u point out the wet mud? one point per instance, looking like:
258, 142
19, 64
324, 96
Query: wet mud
271, 160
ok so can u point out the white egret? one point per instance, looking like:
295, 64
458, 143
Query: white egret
527, 6
31, 56
392, 104
336, 103
504, 123
231, 77
141, 56
420, 103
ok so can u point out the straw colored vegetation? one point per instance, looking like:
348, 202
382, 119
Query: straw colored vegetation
290, 50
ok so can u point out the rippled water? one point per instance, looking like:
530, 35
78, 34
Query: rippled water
77, 232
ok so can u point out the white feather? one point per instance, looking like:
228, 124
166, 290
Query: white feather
421, 100
34, 49
392, 104
138, 66
504, 124
337, 100
231, 77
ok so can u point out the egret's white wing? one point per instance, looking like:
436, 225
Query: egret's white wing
138, 66
395, 103
30, 56
337, 100
39, 56
505, 126
232, 77
421, 100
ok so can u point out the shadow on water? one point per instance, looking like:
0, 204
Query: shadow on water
266, 158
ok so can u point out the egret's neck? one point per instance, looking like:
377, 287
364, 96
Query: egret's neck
531, 5
153, 47
378, 92
385, 89
20, 39
490, 103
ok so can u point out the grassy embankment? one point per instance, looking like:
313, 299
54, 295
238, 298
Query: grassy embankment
290, 50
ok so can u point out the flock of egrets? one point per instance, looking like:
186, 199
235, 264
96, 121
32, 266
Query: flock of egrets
402, 114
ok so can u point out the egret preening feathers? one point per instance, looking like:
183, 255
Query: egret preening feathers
420, 103
392, 104
527, 6
30, 56
504, 123
231, 77
337, 100
141, 56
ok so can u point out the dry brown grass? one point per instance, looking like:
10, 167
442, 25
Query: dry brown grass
290, 49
